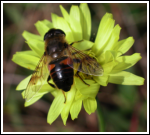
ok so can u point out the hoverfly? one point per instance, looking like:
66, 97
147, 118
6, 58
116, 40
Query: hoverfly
58, 63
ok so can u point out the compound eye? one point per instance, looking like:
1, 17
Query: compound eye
46, 36
53, 32
58, 31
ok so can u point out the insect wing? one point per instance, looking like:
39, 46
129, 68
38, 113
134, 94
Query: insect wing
37, 79
84, 63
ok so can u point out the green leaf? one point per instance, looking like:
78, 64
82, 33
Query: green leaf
126, 62
42, 28
61, 23
90, 105
104, 31
69, 100
36, 46
85, 21
56, 108
101, 122
125, 78
25, 59
75, 109
27, 35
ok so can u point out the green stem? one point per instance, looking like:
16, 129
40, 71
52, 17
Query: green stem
100, 117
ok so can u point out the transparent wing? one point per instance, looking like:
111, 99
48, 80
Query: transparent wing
84, 63
37, 79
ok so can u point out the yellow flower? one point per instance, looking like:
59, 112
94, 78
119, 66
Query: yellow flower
107, 49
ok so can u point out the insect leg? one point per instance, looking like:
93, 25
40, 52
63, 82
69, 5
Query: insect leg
81, 78
80, 67
76, 42
64, 96
52, 85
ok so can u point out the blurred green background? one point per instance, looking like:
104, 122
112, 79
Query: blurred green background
124, 108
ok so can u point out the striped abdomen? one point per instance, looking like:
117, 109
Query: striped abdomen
61, 73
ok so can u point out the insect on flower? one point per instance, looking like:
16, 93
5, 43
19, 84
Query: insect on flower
58, 63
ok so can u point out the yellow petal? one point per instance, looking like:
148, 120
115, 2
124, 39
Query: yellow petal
56, 108
48, 23
65, 14
85, 90
108, 67
125, 78
83, 45
113, 38
75, 109
23, 84
79, 96
90, 105
45, 89
103, 34
75, 23
123, 46
85, 21
102, 80
36, 46
27, 35
69, 99
26, 60
126, 62
42, 28
61, 23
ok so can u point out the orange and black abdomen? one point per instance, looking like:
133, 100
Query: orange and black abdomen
61, 73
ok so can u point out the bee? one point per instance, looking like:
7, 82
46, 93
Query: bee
60, 62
